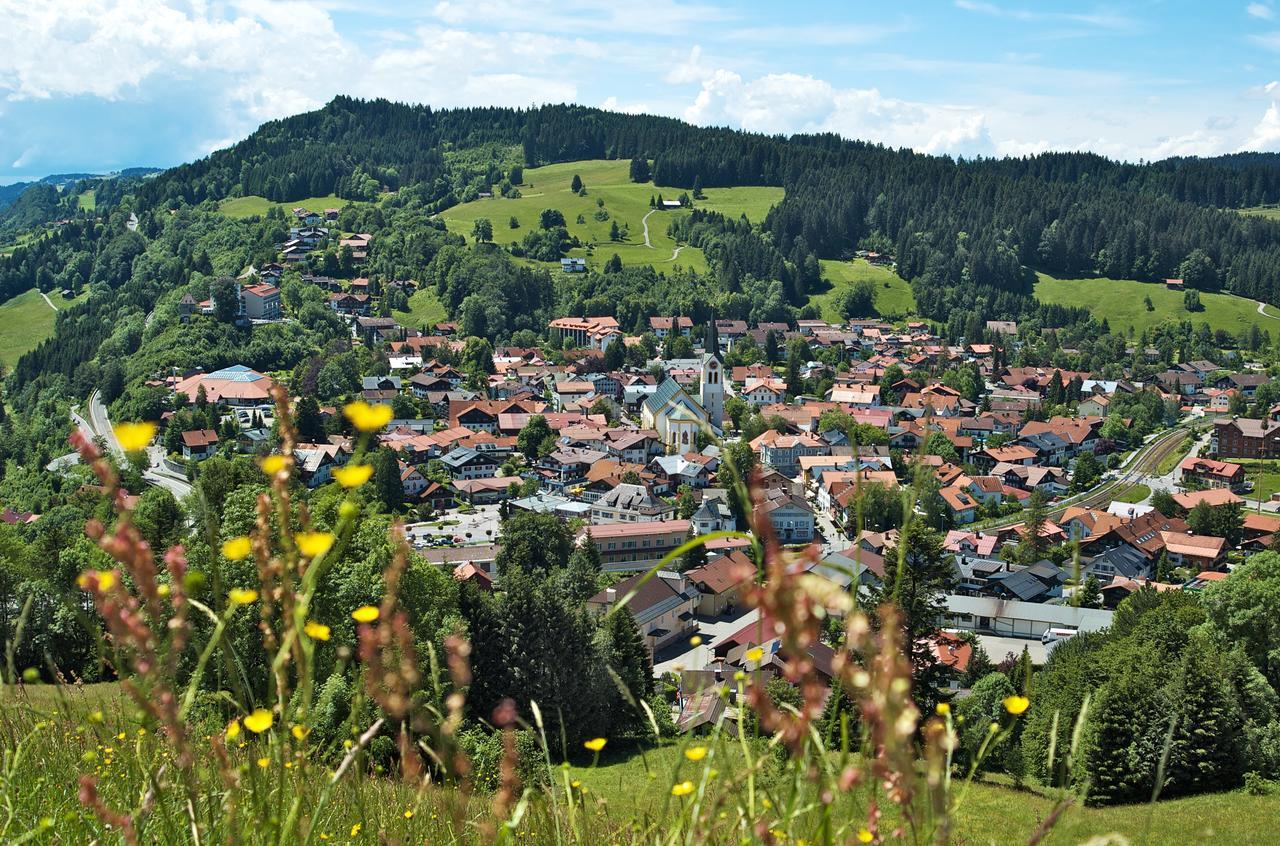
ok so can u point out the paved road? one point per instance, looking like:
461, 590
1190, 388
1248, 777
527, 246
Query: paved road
99, 423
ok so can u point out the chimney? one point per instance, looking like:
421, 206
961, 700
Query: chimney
611, 595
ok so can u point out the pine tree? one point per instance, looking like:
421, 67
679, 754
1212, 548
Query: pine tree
839, 719
581, 577
1090, 595
917, 588
386, 480
1205, 753
576, 185
628, 657
1116, 775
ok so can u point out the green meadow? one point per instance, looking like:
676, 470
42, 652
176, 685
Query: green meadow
624, 201
893, 293
425, 309
25, 321
1122, 303
254, 205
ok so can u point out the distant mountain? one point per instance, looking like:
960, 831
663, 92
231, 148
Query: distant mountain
10, 193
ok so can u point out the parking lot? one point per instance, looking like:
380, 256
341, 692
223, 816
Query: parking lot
457, 528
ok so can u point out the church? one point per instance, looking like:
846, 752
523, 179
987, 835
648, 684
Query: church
678, 417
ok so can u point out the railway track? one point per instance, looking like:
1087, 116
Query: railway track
1146, 465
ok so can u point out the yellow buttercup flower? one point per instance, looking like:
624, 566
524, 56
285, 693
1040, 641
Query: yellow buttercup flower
259, 721
264, 762
134, 436
408, 814
595, 744
684, 788
365, 417
353, 475
273, 464
1016, 704
233, 730
242, 596
365, 614
355, 829
316, 631
943, 709
300, 732
237, 548
695, 753
106, 579
313, 544
865, 836
755, 653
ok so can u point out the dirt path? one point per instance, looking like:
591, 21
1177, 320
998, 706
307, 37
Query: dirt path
55, 308
645, 220
1261, 310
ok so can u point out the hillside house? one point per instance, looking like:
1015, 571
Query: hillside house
199, 444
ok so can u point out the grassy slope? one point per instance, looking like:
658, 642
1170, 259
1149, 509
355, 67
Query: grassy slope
627, 203
425, 309
1120, 301
991, 812
635, 786
895, 299
87, 200
25, 321
255, 205
1272, 212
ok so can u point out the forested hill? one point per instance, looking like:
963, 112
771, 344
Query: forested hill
966, 232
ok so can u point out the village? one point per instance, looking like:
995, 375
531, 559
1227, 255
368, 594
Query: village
1053, 510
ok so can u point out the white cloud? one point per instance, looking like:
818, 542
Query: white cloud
1269, 40
788, 103
1100, 19
1201, 142
1266, 135
1259, 10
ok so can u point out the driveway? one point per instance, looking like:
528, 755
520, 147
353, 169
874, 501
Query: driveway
682, 655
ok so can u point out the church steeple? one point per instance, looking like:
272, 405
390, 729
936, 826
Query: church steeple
712, 337
711, 394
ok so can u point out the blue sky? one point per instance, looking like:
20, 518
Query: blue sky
97, 84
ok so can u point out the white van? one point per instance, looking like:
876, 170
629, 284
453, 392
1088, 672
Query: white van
1053, 636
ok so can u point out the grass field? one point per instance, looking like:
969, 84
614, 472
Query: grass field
991, 812
1121, 302
255, 205
625, 785
1265, 476
1271, 212
1174, 458
893, 293
87, 200
626, 202
1134, 493
25, 321
425, 309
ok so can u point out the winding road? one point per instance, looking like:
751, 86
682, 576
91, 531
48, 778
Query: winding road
1262, 310
98, 424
